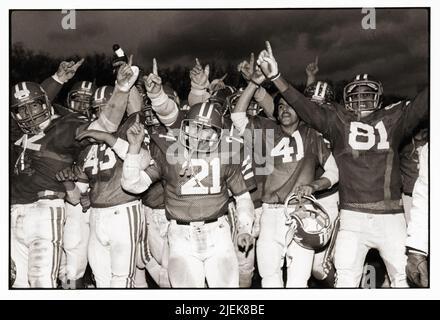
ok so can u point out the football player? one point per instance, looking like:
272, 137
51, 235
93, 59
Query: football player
115, 239
323, 94
196, 178
226, 96
293, 152
365, 138
47, 146
76, 229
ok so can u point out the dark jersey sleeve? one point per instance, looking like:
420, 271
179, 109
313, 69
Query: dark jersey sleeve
154, 170
415, 112
321, 119
51, 87
235, 180
323, 151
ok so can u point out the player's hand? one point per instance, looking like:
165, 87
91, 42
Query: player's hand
67, 69
312, 68
417, 269
84, 200
199, 76
135, 136
66, 174
127, 75
217, 84
305, 190
244, 241
97, 136
153, 83
251, 71
267, 63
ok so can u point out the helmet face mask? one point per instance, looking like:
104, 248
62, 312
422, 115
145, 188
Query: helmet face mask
30, 107
79, 102
363, 95
100, 99
201, 130
80, 96
312, 228
199, 137
151, 119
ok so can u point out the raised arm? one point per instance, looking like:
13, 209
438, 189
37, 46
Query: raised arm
311, 71
134, 178
252, 73
416, 111
66, 71
319, 118
255, 77
199, 84
166, 109
112, 113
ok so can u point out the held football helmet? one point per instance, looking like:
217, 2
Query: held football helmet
363, 94
79, 97
320, 92
310, 224
100, 98
30, 107
202, 128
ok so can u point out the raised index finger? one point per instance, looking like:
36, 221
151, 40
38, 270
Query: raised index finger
155, 67
252, 59
316, 60
198, 63
130, 60
78, 64
269, 48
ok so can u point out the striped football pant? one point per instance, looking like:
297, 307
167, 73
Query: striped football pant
154, 249
75, 244
115, 233
36, 242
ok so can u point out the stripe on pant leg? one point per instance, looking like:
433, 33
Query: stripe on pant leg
57, 244
52, 221
136, 237
131, 248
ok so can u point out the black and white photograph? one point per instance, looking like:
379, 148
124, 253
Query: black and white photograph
219, 148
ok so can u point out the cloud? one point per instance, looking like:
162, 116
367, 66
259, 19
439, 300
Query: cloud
396, 50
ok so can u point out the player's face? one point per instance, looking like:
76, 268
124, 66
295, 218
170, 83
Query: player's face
80, 103
201, 137
366, 98
286, 115
34, 114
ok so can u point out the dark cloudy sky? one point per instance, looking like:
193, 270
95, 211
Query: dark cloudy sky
396, 52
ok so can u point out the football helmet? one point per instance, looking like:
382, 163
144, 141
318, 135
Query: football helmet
202, 128
220, 96
310, 225
363, 94
100, 98
79, 97
253, 109
320, 92
30, 107
151, 119
172, 94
